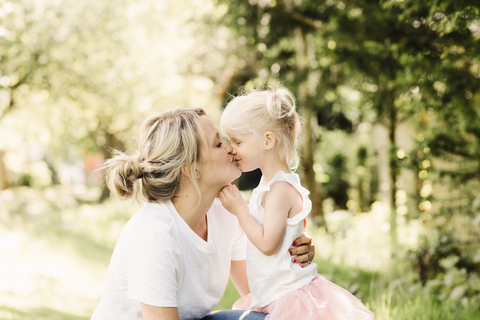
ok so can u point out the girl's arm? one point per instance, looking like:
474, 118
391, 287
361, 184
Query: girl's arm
278, 202
238, 274
159, 313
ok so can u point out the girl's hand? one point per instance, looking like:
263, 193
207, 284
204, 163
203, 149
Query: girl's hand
232, 199
302, 250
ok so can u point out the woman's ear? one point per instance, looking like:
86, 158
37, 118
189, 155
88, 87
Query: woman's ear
270, 140
185, 171
196, 174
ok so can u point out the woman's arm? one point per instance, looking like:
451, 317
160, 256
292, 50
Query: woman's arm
159, 313
238, 274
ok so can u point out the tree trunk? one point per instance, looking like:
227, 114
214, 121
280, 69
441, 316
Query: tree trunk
393, 179
306, 94
308, 160
374, 184
4, 182
361, 162
111, 142
362, 204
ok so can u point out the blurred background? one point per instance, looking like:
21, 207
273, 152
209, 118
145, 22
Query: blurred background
389, 94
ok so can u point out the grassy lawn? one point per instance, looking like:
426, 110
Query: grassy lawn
54, 266
378, 295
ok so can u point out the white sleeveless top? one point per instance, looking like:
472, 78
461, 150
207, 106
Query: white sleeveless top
270, 277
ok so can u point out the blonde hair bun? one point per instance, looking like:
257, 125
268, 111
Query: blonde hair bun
123, 172
280, 102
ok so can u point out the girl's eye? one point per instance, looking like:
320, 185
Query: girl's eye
219, 144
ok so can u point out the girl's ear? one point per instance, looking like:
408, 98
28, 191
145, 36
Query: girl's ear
270, 140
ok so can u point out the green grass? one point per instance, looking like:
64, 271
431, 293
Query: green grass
76, 242
389, 300
229, 297
396, 305
10, 313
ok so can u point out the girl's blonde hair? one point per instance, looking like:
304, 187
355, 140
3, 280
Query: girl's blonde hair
257, 112
168, 141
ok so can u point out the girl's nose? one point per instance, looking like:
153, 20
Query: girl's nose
230, 149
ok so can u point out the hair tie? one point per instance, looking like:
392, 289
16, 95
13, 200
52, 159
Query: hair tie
157, 162
138, 167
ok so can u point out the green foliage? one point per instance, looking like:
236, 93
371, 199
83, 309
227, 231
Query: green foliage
55, 212
447, 269
387, 62
84, 74
397, 305
337, 186
76, 78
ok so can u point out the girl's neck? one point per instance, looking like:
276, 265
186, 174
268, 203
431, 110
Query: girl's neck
271, 168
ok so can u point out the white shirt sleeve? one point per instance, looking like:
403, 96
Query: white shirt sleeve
153, 264
239, 247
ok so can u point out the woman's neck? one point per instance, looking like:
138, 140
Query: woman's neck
193, 208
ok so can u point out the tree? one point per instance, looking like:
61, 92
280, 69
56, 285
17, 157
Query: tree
87, 73
276, 44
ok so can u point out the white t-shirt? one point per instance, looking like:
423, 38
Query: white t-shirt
270, 277
159, 260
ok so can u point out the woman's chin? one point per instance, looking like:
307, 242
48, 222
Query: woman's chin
239, 173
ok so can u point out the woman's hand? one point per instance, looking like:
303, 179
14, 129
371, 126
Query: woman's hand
232, 199
302, 250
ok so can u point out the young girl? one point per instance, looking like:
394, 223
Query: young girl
263, 127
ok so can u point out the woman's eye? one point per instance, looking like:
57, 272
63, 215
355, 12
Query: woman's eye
219, 144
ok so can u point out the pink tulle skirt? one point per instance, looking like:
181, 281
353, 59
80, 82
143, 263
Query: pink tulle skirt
321, 299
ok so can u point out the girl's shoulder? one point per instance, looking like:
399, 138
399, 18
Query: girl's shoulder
284, 187
290, 181
285, 190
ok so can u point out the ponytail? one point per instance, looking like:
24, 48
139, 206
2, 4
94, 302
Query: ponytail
123, 174
280, 102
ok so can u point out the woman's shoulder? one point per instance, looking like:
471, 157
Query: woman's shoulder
152, 218
149, 231
155, 227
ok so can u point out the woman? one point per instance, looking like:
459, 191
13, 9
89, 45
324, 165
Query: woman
175, 255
